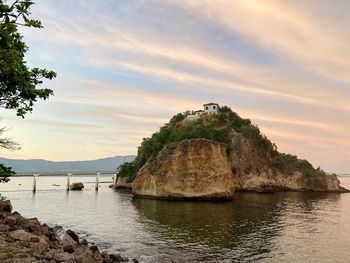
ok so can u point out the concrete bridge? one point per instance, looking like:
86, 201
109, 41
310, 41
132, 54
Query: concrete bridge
64, 173
68, 174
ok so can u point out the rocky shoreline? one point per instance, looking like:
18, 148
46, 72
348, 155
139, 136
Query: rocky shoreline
26, 240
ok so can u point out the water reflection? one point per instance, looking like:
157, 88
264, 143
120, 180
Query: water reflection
282, 227
243, 230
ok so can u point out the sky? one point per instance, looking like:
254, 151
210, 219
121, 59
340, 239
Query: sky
126, 67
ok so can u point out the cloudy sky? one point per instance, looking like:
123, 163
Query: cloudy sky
125, 67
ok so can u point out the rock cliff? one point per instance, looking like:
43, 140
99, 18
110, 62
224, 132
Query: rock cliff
192, 169
122, 184
254, 170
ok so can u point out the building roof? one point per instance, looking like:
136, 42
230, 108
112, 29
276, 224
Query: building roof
211, 103
199, 111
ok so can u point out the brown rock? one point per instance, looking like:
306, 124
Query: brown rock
62, 257
116, 257
94, 248
6, 206
97, 257
84, 242
192, 169
83, 254
20, 235
104, 254
34, 239
50, 253
77, 186
33, 225
40, 246
4, 228
69, 245
12, 219
56, 245
73, 235
4, 214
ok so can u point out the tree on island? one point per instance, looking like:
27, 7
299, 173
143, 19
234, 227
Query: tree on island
19, 84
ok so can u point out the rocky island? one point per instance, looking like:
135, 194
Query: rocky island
211, 153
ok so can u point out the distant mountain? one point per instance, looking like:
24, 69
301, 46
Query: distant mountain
38, 165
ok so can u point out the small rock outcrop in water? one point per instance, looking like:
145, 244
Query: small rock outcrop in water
76, 186
122, 184
191, 169
27, 241
254, 171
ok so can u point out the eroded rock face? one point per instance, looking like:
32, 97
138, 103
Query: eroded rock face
192, 169
253, 171
122, 184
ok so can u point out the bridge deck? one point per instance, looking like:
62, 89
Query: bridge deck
64, 173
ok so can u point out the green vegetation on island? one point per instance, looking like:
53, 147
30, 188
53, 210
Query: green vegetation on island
215, 127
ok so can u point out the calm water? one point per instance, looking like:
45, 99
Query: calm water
281, 227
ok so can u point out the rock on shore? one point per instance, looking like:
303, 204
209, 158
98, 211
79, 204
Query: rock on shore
192, 169
26, 241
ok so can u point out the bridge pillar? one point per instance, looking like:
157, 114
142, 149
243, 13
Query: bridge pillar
68, 180
115, 180
34, 182
97, 177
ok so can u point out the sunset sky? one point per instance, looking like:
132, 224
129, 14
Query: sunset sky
125, 67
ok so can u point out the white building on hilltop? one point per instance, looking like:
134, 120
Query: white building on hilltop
209, 108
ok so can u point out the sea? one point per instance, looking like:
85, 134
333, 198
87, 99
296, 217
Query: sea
279, 227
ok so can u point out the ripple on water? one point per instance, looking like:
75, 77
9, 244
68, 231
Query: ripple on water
283, 227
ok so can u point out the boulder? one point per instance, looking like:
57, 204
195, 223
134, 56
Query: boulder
62, 257
94, 248
50, 254
33, 225
4, 228
196, 169
21, 235
83, 255
6, 206
73, 235
68, 243
116, 257
4, 214
97, 257
39, 244
104, 254
11, 220
84, 242
76, 186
